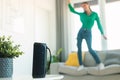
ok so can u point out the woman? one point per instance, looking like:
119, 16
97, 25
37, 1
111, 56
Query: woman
87, 18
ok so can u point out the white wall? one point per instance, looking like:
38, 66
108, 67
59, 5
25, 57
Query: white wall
28, 21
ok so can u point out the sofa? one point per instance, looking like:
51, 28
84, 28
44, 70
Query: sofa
110, 58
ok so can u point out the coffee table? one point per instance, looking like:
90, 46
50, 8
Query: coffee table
28, 77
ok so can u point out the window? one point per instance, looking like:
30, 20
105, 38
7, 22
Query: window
113, 24
112, 28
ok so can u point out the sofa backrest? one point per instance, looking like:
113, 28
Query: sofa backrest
89, 60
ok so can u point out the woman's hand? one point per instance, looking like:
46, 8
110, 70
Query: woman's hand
104, 37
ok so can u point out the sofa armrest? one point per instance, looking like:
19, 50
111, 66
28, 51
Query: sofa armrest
54, 67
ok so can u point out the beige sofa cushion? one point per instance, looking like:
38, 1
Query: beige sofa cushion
71, 70
111, 69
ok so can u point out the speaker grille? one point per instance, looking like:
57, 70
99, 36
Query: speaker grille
39, 60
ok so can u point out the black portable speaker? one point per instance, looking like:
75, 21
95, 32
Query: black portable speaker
40, 60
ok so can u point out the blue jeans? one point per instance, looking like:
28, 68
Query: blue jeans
86, 34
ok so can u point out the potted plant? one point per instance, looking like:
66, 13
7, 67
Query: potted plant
8, 51
56, 56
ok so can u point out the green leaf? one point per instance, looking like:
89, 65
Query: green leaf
8, 48
59, 51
